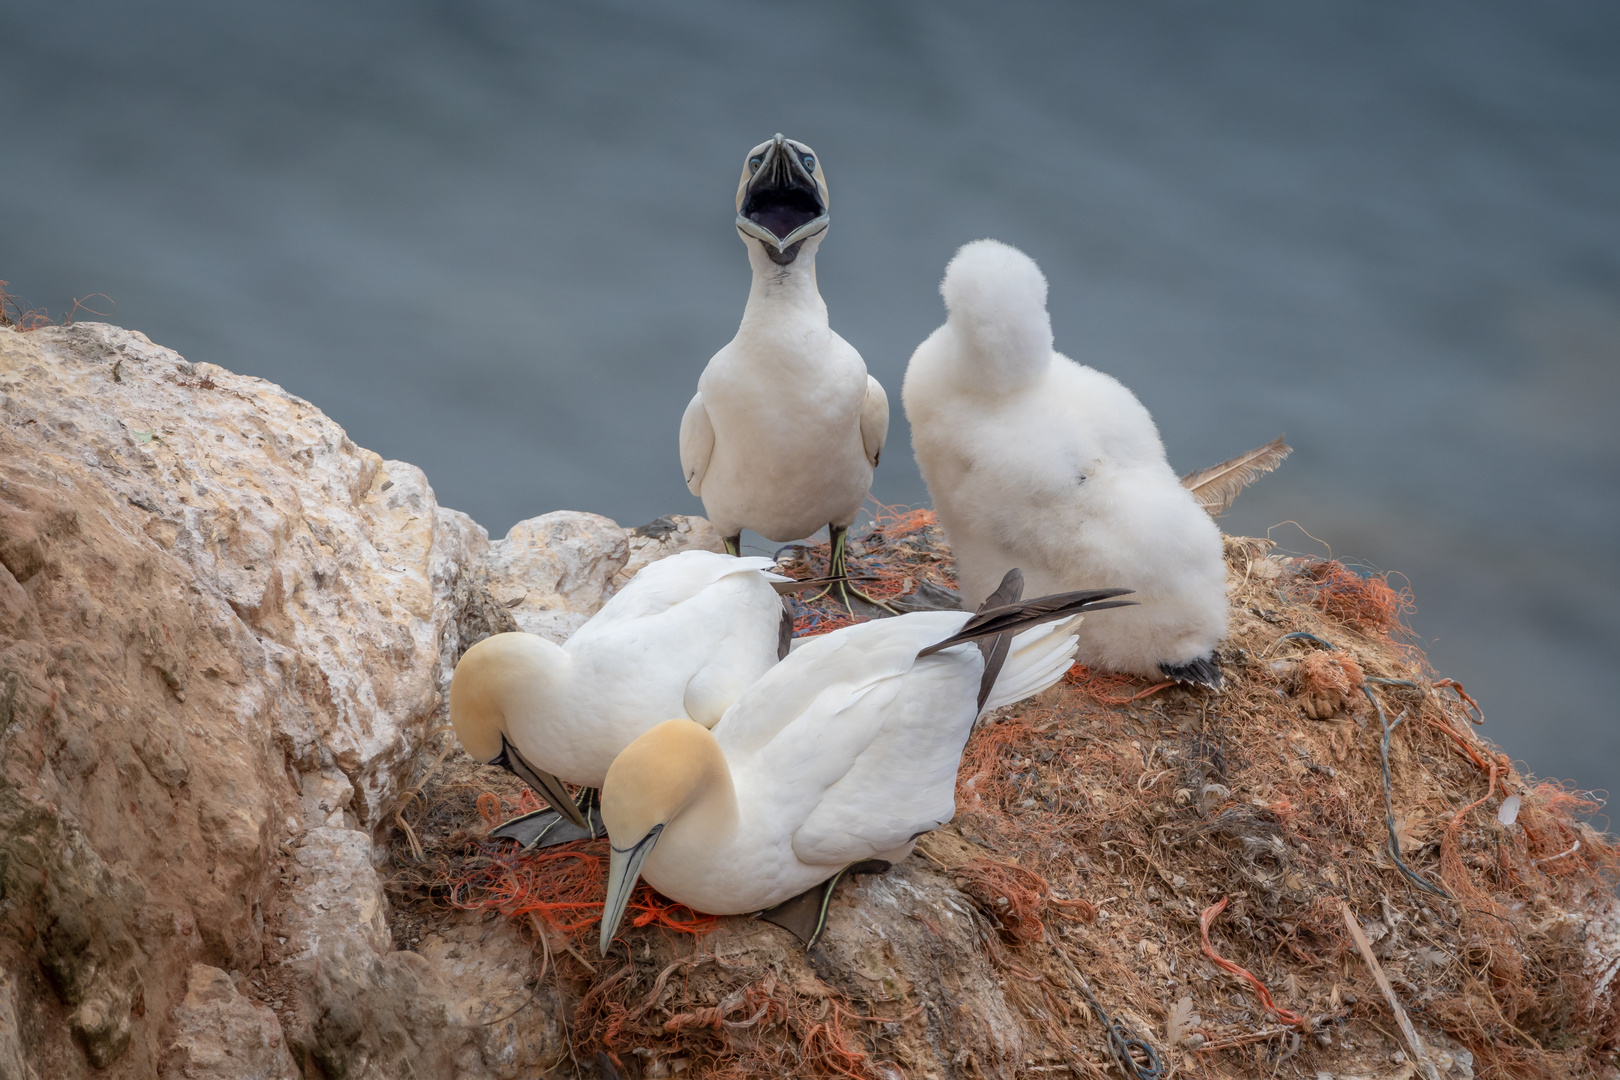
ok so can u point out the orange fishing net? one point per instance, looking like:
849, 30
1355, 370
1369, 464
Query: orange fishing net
888, 554
1365, 601
564, 887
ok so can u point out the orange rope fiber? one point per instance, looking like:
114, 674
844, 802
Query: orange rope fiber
1287, 1016
565, 886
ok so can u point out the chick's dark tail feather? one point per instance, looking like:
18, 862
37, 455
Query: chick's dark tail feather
1011, 618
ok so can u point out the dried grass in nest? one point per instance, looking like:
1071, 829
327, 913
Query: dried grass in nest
562, 887
1096, 824
17, 314
1173, 804
758, 1028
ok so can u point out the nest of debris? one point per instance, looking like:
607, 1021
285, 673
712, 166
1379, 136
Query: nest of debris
1166, 879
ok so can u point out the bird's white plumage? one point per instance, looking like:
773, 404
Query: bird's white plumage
786, 425
685, 637
846, 750
1038, 462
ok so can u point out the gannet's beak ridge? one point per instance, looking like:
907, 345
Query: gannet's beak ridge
782, 198
548, 786
624, 870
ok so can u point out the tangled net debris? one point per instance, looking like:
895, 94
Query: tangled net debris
1097, 828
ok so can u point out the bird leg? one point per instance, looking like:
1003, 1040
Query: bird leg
547, 828
840, 587
733, 544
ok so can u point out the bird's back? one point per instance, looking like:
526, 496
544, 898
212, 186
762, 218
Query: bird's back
680, 640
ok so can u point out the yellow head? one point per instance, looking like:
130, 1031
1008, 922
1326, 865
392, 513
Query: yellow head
782, 197
500, 680
671, 769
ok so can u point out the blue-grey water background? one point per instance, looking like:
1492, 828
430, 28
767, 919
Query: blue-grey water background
494, 239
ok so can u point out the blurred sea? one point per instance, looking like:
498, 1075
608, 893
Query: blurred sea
494, 239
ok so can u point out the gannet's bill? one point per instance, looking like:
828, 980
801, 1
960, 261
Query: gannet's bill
844, 752
1038, 462
787, 426
684, 638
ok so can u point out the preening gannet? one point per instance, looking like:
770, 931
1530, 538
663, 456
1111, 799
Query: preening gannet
1038, 462
787, 426
844, 752
684, 638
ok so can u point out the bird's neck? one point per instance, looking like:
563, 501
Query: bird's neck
783, 295
712, 816
544, 680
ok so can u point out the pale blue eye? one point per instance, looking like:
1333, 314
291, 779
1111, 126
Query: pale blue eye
754, 162
809, 163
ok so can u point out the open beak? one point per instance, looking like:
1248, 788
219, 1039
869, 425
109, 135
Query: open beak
784, 200
624, 870
544, 784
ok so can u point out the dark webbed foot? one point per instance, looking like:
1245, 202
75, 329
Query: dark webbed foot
1200, 671
805, 915
547, 828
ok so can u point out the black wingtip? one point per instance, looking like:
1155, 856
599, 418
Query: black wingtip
1012, 618
1010, 591
1199, 671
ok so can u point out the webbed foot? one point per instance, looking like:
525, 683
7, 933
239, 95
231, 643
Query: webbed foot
805, 915
1200, 671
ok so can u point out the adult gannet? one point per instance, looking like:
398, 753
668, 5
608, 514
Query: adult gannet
684, 637
787, 426
844, 752
1038, 462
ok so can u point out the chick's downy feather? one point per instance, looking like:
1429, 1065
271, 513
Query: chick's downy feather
1041, 463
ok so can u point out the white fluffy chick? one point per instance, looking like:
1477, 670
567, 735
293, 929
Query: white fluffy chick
1041, 463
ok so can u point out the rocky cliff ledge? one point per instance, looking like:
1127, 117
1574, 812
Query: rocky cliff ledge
225, 637
226, 634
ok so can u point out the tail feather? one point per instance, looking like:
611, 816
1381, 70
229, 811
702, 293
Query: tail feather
1028, 645
1010, 591
1039, 658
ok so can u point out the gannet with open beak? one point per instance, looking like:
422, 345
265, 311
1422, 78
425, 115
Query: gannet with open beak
684, 638
1038, 462
843, 753
787, 426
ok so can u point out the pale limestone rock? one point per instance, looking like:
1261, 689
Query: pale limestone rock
340, 564
339, 898
554, 571
221, 1035
222, 626
665, 536
361, 1009
488, 968
326, 800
